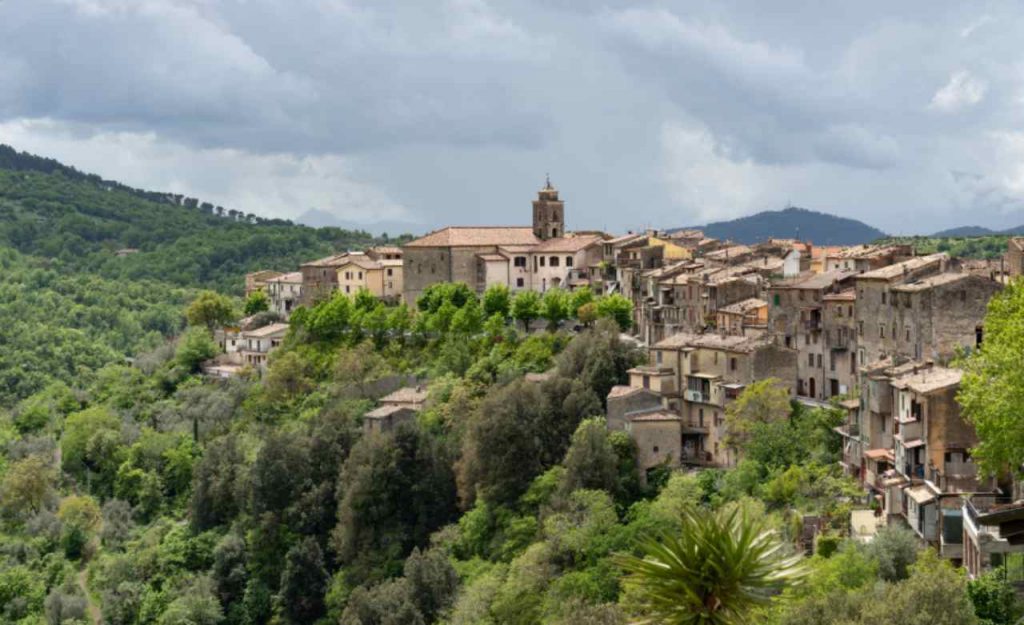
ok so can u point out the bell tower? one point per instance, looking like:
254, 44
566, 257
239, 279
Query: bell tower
548, 213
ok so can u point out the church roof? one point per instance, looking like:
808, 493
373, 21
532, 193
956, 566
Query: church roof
571, 243
471, 236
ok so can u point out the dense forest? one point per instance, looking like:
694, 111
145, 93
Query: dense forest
988, 247
133, 491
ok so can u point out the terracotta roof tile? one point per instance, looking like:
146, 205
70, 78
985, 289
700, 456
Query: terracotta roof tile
469, 236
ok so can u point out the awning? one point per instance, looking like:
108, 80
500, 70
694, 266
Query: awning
733, 386
912, 443
881, 453
704, 376
920, 494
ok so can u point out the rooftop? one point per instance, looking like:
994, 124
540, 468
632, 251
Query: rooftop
731, 343
929, 380
406, 395
655, 416
267, 330
469, 236
743, 307
924, 284
569, 243
814, 281
382, 412
898, 269
333, 260
295, 276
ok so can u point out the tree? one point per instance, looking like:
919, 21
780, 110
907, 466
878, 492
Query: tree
92, 447
763, 401
991, 388
935, 593
591, 462
526, 307
713, 572
497, 301
432, 581
80, 517
195, 605
587, 314
26, 486
582, 296
210, 309
895, 549
256, 302
994, 599
218, 484
388, 603
554, 307
618, 308
194, 348
303, 582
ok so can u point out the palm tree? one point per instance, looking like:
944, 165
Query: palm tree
713, 572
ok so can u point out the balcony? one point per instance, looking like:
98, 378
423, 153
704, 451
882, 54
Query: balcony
699, 458
694, 396
813, 324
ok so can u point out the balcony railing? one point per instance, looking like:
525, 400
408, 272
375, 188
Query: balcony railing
695, 396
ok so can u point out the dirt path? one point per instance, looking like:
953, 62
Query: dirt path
94, 610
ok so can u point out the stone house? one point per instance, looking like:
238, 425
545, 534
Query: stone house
839, 331
795, 315
862, 258
708, 372
744, 318
285, 293
1015, 257
919, 310
257, 280
386, 418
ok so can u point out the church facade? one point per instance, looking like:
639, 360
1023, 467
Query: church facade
536, 258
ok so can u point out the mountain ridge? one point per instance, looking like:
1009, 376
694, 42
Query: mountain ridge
792, 222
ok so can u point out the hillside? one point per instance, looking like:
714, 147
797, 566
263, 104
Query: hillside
821, 228
965, 231
53, 211
988, 247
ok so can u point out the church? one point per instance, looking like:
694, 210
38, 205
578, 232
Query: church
536, 258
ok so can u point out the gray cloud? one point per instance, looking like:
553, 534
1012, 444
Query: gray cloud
656, 113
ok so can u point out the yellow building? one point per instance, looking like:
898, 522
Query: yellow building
382, 277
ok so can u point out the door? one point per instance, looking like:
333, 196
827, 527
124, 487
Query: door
810, 385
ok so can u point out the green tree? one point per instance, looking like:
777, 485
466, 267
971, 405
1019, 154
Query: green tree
895, 549
591, 461
618, 308
256, 302
587, 314
497, 301
80, 517
194, 348
526, 307
26, 486
994, 599
718, 568
92, 448
209, 310
763, 401
992, 388
554, 307
303, 582
579, 298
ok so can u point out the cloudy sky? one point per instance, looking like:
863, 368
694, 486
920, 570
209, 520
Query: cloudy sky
409, 114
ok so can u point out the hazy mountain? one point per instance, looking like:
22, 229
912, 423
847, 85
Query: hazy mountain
820, 228
965, 231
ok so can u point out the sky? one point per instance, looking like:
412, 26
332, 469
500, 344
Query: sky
411, 115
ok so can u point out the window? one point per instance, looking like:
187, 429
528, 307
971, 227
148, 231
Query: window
519, 261
553, 261
832, 361
894, 331
732, 364
908, 334
963, 295
568, 261
360, 275
810, 360
883, 297
542, 259
348, 289
647, 381
881, 330
860, 328
389, 273
776, 299
554, 232
700, 417
519, 282
655, 449
819, 361
850, 311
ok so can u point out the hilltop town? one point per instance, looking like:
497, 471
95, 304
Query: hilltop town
873, 330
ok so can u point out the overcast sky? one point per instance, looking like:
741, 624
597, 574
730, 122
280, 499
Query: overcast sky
908, 115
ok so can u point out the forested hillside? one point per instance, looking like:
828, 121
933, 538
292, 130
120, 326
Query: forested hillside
987, 247
52, 211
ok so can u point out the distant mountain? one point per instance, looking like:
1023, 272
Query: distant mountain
966, 231
978, 231
819, 228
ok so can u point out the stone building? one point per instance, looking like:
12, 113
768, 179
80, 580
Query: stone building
839, 331
1015, 257
254, 281
744, 318
285, 293
919, 310
703, 373
861, 258
795, 315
